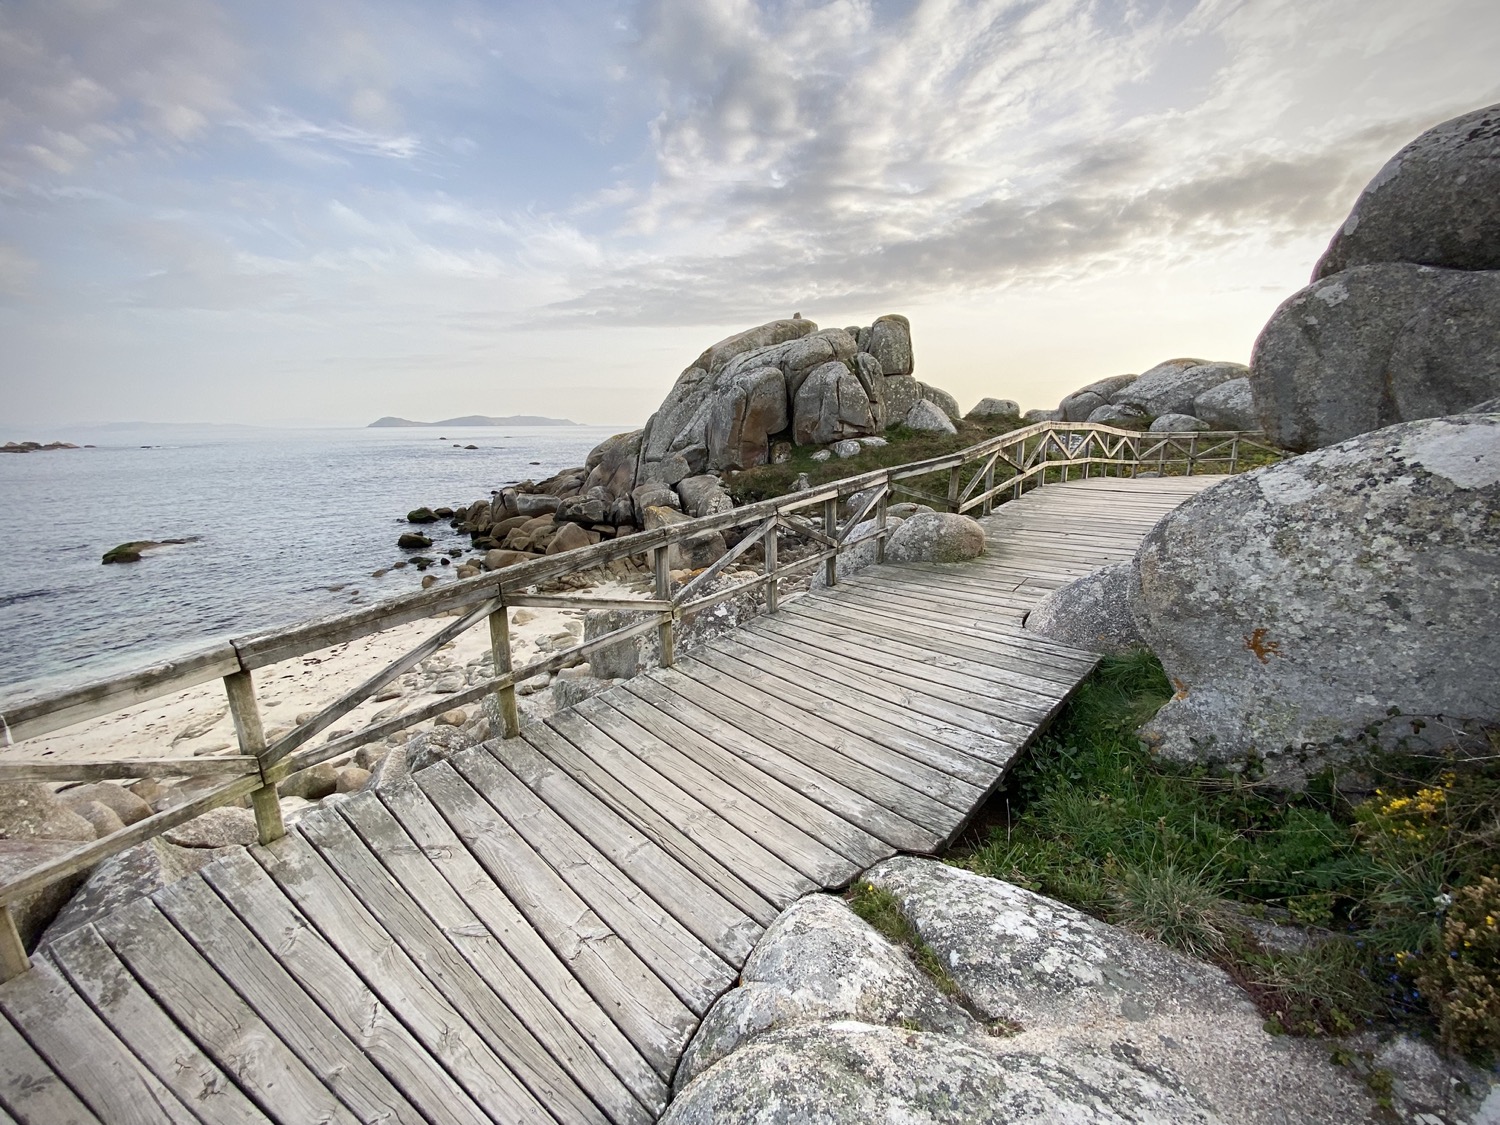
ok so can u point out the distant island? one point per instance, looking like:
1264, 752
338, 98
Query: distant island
474, 420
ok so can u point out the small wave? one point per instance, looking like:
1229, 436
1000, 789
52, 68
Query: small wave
25, 596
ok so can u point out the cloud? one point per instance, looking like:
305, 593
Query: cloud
291, 133
16, 272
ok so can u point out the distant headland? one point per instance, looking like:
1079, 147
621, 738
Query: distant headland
474, 420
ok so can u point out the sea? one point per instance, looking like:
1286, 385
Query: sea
284, 525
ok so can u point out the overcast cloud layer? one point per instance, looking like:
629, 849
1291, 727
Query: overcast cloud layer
326, 211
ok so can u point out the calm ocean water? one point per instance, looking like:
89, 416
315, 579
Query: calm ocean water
282, 517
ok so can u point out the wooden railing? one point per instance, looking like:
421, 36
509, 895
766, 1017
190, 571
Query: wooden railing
1006, 466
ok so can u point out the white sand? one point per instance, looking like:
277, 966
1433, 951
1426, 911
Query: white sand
196, 721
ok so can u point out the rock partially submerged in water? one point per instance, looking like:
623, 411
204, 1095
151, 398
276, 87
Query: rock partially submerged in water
132, 551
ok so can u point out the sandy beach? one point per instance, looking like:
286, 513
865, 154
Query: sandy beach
196, 722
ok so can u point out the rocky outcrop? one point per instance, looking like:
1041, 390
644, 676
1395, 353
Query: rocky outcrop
939, 537
889, 341
1376, 345
1432, 204
128, 875
1092, 612
1172, 387
1068, 1019
1229, 406
987, 408
819, 961
1402, 320
1177, 424
926, 417
1337, 600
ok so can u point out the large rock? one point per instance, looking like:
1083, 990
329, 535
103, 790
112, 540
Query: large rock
717, 356
746, 411
889, 342
218, 828
995, 408
619, 660
1434, 203
30, 811
1083, 991
1177, 424
819, 961
943, 401
1229, 406
612, 464
1373, 346
851, 1073
927, 417
939, 537
831, 405
1077, 406
1121, 415
1039, 415
134, 873
1296, 608
703, 549
1092, 612
902, 392
1171, 387
704, 495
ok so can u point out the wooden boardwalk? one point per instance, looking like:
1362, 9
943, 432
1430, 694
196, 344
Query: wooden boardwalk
531, 931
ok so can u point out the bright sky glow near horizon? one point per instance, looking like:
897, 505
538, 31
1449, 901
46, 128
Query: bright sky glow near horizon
324, 211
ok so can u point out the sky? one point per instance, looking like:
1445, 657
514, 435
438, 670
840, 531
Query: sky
321, 211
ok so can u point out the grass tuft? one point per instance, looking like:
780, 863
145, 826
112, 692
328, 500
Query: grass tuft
1382, 869
880, 909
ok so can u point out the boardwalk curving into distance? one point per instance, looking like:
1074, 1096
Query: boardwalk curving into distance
531, 931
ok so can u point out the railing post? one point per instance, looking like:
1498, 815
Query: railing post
505, 696
1192, 452
831, 529
660, 560
252, 737
881, 517
1234, 454
13, 959
773, 584
989, 487
955, 485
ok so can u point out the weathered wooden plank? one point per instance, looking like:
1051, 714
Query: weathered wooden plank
403, 918
916, 696
222, 940
855, 806
364, 942
776, 857
698, 905
975, 692
16, 769
790, 666
644, 1009
150, 1033
706, 864
206, 1007
683, 963
908, 771
30, 1090
537, 1025
889, 779
932, 648
554, 987
31, 715
359, 1013
82, 1050
732, 662
1006, 643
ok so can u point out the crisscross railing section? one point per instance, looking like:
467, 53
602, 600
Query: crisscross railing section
819, 522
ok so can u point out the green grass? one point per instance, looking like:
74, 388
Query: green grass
904, 446
1363, 858
880, 909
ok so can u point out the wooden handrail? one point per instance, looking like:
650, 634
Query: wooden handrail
1028, 454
